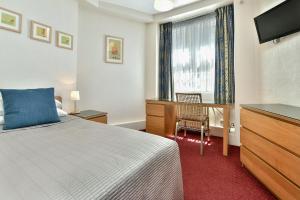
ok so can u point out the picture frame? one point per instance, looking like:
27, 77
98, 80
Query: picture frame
40, 32
114, 49
64, 40
10, 20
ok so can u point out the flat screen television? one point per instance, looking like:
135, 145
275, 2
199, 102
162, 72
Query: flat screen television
280, 21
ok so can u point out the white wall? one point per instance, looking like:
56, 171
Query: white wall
114, 88
247, 77
265, 73
151, 78
279, 66
280, 70
27, 63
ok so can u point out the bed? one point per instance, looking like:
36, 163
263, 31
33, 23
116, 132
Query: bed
80, 159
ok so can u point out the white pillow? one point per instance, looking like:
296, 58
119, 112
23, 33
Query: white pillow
1, 120
61, 113
58, 104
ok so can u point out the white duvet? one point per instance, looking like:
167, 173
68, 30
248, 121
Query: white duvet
79, 159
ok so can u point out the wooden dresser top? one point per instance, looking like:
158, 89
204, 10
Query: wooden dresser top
279, 111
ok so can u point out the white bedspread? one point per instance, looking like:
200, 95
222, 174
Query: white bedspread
79, 159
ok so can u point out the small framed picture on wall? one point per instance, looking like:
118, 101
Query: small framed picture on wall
64, 40
10, 20
114, 50
40, 32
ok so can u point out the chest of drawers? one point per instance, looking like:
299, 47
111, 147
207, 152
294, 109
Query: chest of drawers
271, 149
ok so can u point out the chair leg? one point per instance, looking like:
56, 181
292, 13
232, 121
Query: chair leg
176, 131
202, 143
208, 132
184, 128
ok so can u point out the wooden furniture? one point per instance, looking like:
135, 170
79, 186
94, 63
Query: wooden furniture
191, 115
270, 137
161, 118
59, 98
92, 115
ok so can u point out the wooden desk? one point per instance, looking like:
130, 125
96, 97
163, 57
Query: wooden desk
161, 118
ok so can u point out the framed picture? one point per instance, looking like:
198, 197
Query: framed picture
64, 40
40, 32
114, 50
10, 20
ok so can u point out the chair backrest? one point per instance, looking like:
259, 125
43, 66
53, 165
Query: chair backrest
189, 97
189, 106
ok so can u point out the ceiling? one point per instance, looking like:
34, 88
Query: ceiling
143, 11
145, 6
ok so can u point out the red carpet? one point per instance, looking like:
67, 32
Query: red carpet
215, 177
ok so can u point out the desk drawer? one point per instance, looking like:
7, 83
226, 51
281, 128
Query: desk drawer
277, 183
283, 161
281, 133
155, 109
155, 125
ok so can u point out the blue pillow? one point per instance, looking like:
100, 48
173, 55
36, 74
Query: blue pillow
30, 107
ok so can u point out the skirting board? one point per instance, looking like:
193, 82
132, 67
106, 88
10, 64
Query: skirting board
216, 131
141, 125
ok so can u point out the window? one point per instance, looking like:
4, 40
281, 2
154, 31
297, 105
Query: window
193, 55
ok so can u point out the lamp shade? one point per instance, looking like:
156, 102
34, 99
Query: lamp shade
163, 5
75, 96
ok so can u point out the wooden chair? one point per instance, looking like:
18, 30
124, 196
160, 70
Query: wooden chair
191, 115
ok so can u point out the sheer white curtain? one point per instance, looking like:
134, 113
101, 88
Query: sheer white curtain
193, 57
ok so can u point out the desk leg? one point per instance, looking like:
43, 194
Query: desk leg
225, 130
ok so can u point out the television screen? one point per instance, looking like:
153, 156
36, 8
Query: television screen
280, 21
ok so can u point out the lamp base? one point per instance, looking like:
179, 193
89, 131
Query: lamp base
75, 108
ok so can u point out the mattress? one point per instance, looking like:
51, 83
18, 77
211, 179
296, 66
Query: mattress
80, 159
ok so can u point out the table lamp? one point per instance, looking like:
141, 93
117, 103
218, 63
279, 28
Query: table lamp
75, 97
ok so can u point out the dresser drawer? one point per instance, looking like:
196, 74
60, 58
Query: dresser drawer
155, 109
281, 133
277, 183
102, 119
283, 161
155, 125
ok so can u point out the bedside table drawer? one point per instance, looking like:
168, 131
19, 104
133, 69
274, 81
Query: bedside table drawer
102, 119
92, 115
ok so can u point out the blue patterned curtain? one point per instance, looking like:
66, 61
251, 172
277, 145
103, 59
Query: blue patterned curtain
165, 62
224, 78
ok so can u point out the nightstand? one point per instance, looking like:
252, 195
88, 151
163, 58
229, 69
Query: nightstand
92, 115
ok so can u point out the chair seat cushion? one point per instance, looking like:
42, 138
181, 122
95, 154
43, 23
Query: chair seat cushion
30, 107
